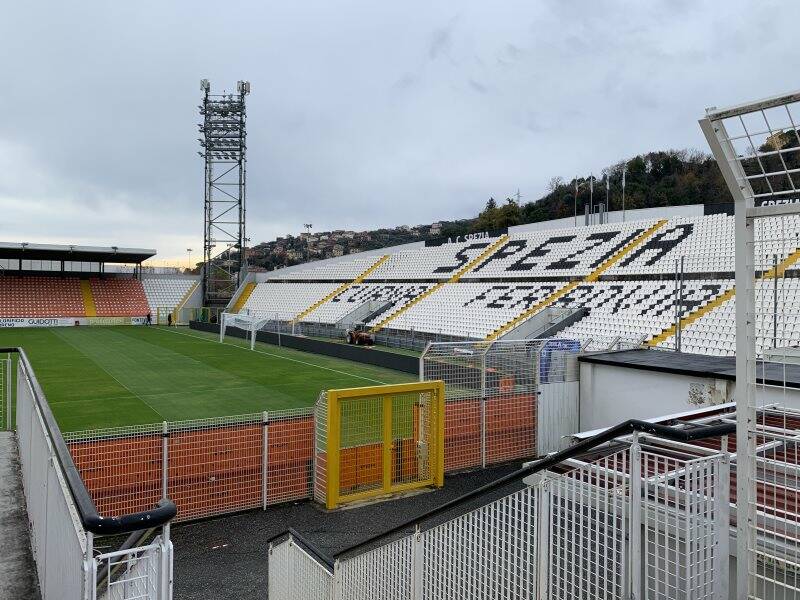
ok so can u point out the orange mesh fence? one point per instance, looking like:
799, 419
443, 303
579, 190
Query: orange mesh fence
510, 428
290, 458
360, 467
217, 466
510, 431
120, 467
462, 434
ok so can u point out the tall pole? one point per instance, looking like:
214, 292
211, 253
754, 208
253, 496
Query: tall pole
775, 302
575, 198
608, 191
677, 308
591, 198
308, 227
624, 170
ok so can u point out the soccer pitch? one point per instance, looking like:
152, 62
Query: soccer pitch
110, 376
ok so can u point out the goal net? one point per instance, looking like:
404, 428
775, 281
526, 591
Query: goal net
250, 324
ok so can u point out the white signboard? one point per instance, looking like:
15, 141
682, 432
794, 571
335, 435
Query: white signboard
7, 322
40, 321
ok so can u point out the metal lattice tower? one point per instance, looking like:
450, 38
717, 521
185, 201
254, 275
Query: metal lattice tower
224, 149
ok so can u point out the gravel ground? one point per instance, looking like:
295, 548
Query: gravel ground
226, 557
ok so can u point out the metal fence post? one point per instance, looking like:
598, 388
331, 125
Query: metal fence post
265, 457
677, 309
336, 588
722, 522
635, 521
680, 308
6, 391
483, 409
775, 301
543, 521
90, 568
417, 567
166, 564
165, 460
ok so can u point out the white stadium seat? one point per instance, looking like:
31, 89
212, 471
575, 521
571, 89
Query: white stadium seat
165, 292
621, 274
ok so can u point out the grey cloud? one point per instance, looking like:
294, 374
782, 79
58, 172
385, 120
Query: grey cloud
478, 87
440, 42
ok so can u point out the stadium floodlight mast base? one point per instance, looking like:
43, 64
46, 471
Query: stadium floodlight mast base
224, 151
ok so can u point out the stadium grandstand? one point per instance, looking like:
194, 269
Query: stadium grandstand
652, 281
605, 409
48, 285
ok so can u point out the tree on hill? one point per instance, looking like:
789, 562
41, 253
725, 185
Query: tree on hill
653, 179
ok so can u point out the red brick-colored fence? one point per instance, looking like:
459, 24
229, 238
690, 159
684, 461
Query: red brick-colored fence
217, 466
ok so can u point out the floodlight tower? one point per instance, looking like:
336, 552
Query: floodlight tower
224, 150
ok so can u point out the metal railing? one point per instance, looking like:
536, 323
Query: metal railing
64, 519
5, 392
586, 533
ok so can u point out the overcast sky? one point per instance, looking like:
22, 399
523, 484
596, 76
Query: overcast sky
362, 114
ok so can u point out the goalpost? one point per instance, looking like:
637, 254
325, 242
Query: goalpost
249, 323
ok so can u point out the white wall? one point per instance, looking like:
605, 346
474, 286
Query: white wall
639, 214
610, 395
279, 273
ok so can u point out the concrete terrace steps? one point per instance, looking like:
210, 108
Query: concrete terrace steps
341, 289
454, 279
89, 306
591, 277
243, 297
693, 316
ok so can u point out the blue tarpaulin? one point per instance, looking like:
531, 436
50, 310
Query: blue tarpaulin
549, 372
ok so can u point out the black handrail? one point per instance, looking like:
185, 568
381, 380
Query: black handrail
623, 429
87, 511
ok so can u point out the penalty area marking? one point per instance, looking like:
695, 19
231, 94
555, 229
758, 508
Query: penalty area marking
302, 362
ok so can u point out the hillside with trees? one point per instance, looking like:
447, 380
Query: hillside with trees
666, 178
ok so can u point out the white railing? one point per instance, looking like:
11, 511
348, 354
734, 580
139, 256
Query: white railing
631, 524
139, 573
5, 393
62, 546
296, 575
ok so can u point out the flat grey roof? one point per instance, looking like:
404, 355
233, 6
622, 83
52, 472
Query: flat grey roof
112, 254
697, 365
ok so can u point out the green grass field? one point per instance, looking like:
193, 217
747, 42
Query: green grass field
109, 376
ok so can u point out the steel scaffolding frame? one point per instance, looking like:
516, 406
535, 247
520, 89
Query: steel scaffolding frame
224, 150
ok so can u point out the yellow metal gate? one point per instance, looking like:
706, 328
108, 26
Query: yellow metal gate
383, 439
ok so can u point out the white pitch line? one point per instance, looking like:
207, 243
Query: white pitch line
302, 362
